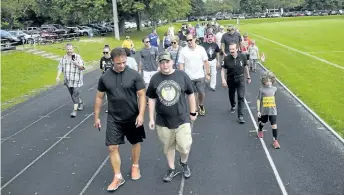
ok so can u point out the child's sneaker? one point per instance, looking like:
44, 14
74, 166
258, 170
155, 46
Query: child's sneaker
276, 144
260, 134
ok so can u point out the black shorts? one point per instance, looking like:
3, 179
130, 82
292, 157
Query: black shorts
266, 118
115, 132
248, 56
199, 85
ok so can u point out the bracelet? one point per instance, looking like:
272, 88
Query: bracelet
248, 78
193, 113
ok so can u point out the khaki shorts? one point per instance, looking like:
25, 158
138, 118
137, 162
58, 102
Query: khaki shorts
180, 138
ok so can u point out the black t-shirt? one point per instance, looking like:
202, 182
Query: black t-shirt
183, 33
121, 88
105, 63
231, 38
212, 49
169, 92
235, 66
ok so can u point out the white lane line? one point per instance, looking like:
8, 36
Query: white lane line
181, 188
274, 169
325, 52
44, 153
40, 118
94, 176
301, 52
255, 131
308, 108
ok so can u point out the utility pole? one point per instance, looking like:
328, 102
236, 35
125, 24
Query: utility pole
115, 19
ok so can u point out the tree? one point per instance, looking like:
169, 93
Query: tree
167, 10
13, 9
198, 8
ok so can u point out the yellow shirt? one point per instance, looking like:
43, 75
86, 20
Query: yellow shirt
127, 44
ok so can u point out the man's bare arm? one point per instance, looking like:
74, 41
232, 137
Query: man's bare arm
142, 101
98, 103
192, 102
181, 66
206, 67
151, 107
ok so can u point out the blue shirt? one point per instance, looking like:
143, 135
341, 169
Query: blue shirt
153, 39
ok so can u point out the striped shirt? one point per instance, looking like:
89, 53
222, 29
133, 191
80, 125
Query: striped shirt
73, 77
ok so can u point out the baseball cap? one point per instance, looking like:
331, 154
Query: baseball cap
231, 27
164, 56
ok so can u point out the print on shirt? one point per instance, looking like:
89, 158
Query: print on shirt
269, 102
210, 51
168, 92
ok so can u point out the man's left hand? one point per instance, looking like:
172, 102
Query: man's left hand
248, 80
207, 77
139, 121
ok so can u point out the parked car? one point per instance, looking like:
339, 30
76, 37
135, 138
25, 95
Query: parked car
9, 39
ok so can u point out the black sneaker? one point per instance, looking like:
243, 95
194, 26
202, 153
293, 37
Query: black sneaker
241, 120
186, 169
169, 175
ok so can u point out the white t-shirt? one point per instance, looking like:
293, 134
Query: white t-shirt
193, 61
131, 63
218, 38
253, 51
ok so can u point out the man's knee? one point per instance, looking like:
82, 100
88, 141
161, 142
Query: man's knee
113, 148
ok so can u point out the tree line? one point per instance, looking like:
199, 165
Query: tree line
20, 13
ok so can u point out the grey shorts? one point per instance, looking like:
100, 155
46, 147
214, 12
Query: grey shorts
199, 85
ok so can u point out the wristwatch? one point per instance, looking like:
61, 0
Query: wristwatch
193, 113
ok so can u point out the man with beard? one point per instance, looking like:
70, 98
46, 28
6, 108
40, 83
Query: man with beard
213, 51
230, 37
236, 65
72, 65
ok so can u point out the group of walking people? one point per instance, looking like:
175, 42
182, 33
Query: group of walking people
173, 85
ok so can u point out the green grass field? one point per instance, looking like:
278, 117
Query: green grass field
23, 75
318, 84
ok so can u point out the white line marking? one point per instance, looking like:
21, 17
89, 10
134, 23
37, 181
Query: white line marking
321, 128
181, 188
325, 52
94, 176
33, 123
46, 116
255, 131
63, 137
278, 178
309, 109
45, 152
301, 52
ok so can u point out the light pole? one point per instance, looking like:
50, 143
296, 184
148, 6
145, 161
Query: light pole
115, 19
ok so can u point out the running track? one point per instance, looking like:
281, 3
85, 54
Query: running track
45, 152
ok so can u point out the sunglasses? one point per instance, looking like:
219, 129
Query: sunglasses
174, 42
105, 52
147, 42
189, 40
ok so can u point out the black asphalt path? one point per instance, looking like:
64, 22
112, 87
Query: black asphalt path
45, 152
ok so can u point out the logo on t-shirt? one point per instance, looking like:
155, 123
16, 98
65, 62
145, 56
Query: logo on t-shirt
210, 51
269, 102
168, 92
